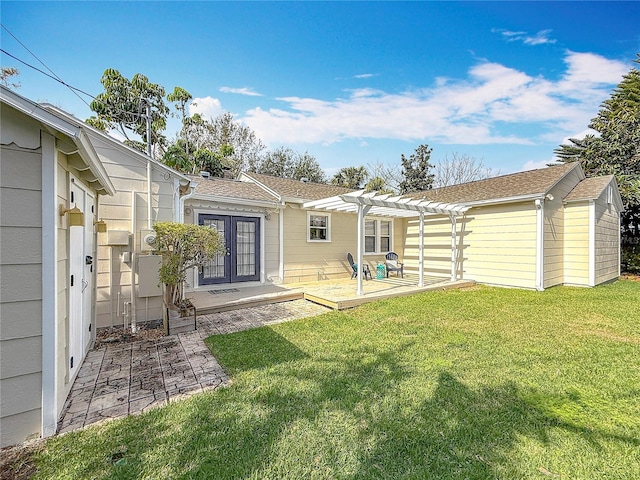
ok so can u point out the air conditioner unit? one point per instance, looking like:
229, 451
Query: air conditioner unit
147, 239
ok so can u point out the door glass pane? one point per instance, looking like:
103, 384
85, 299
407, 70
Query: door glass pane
215, 268
245, 248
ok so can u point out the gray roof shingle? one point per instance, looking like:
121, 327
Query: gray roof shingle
224, 187
589, 188
529, 183
289, 188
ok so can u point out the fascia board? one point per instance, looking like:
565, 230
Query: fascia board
233, 200
270, 191
517, 199
93, 160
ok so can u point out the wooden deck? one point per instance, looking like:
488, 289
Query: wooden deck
335, 294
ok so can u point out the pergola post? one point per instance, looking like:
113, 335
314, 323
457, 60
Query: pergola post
362, 211
454, 252
421, 252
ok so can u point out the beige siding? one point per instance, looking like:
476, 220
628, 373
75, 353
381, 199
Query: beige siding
306, 261
554, 230
128, 174
496, 245
20, 293
607, 239
576, 245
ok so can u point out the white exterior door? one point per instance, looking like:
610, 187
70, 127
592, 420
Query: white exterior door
81, 268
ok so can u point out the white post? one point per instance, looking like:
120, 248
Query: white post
453, 248
421, 252
362, 211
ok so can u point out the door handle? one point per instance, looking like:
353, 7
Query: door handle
88, 260
228, 252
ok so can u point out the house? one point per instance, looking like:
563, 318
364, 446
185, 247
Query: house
533, 229
146, 191
51, 184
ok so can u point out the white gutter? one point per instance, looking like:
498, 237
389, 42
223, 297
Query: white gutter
182, 200
539, 203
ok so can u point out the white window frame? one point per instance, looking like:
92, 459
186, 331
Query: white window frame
308, 227
378, 236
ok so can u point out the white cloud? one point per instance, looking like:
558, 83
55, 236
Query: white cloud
535, 164
473, 110
208, 107
366, 75
540, 38
241, 91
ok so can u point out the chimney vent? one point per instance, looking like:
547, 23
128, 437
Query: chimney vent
205, 174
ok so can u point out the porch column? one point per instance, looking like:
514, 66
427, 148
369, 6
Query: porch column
362, 211
453, 248
421, 252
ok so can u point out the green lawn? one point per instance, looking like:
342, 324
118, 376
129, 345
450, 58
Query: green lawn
464, 384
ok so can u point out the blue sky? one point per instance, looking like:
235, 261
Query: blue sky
351, 83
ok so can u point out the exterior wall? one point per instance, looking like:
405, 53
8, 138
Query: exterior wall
20, 292
270, 230
607, 241
306, 261
554, 231
576, 245
496, 245
128, 174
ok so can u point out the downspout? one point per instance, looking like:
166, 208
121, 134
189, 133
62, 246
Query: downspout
192, 187
134, 325
539, 203
149, 210
454, 252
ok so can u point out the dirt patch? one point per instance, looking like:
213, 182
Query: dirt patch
113, 335
16, 463
631, 276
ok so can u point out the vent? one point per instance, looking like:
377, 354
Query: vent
205, 174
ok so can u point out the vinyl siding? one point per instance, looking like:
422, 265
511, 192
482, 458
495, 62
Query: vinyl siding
607, 241
128, 173
496, 245
316, 261
576, 245
554, 230
20, 293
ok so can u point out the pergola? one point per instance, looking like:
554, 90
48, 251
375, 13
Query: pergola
388, 205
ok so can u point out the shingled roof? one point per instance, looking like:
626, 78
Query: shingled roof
513, 186
233, 189
589, 188
296, 189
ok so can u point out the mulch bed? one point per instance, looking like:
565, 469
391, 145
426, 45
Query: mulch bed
152, 330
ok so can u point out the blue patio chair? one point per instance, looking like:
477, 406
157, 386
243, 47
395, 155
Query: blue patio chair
354, 268
393, 265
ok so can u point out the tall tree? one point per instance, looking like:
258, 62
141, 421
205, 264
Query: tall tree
378, 185
287, 163
616, 150
5, 77
459, 169
350, 177
123, 106
416, 171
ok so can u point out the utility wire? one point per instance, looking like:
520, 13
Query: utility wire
55, 76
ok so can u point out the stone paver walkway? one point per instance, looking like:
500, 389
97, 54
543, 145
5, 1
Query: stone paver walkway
124, 379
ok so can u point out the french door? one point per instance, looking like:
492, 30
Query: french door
241, 261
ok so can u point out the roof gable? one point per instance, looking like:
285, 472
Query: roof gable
593, 188
296, 190
511, 187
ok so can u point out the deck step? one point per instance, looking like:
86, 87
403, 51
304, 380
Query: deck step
250, 302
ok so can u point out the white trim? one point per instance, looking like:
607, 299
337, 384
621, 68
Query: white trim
421, 251
592, 243
281, 242
539, 203
229, 213
235, 201
308, 227
378, 236
454, 252
50, 216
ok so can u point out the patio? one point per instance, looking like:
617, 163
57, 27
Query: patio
335, 294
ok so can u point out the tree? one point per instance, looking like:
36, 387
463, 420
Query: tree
416, 171
350, 177
123, 105
378, 185
459, 169
391, 175
286, 163
180, 97
616, 150
6, 74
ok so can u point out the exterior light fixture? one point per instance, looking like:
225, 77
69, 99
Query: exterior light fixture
75, 217
101, 226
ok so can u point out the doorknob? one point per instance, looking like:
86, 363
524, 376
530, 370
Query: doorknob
88, 260
228, 252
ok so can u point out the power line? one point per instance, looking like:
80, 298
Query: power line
55, 76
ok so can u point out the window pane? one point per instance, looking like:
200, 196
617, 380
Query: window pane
369, 227
318, 233
385, 228
369, 244
317, 221
385, 245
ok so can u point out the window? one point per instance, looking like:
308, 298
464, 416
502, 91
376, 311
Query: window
377, 236
318, 227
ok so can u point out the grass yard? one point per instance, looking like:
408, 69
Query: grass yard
474, 384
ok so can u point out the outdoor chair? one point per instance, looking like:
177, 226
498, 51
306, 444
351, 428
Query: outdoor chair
393, 265
354, 268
